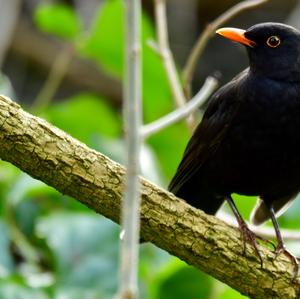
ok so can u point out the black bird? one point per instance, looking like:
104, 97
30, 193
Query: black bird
248, 141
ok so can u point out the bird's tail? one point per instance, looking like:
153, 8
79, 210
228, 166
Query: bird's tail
261, 212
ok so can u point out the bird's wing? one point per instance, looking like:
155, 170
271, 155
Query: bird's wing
210, 133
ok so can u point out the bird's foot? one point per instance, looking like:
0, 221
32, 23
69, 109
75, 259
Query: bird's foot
247, 235
281, 249
250, 237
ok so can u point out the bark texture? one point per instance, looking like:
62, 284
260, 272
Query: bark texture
54, 157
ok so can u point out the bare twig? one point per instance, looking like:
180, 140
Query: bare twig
209, 31
167, 57
27, 250
128, 288
41, 50
57, 73
182, 112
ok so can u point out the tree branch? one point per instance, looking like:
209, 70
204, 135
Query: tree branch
197, 101
57, 72
167, 58
52, 156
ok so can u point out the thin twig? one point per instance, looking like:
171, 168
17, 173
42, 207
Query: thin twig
167, 57
55, 77
27, 250
209, 31
128, 287
265, 232
198, 100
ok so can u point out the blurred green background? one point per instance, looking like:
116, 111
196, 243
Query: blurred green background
53, 247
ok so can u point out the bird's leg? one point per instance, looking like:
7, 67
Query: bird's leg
280, 246
247, 234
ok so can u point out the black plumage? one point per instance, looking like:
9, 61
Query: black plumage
248, 141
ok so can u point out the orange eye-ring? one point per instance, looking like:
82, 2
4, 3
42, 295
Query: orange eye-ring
273, 41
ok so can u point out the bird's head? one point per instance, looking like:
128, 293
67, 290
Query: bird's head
273, 49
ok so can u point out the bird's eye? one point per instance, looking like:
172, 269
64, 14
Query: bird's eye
273, 41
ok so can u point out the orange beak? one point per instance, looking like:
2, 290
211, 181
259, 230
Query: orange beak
236, 35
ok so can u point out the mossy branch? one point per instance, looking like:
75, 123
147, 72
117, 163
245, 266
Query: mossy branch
52, 156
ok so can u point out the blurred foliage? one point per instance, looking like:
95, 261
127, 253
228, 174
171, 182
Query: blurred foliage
83, 108
58, 19
105, 44
54, 247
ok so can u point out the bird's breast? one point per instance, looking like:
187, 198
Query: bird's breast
262, 146
269, 117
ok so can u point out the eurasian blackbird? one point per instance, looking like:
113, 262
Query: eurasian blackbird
248, 141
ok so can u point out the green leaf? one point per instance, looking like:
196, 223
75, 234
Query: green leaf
85, 247
18, 200
85, 115
26, 186
13, 290
245, 204
231, 294
154, 267
6, 262
80, 293
106, 41
58, 19
185, 282
290, 218
169, 145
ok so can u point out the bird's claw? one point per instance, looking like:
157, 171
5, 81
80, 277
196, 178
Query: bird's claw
281, 249
250, 237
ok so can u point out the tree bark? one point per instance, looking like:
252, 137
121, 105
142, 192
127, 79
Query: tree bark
52, 156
